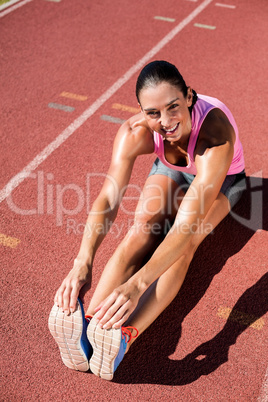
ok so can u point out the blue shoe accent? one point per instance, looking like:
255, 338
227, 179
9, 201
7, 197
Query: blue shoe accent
86, 346
70, 333
121, 352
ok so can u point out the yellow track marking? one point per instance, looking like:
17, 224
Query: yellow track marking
73, 96
126, 108
240, 317
8, 241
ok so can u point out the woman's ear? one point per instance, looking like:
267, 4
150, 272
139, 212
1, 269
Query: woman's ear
189, 97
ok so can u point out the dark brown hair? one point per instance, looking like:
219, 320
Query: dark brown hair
158, 71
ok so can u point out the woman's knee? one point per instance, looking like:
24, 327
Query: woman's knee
146, 229
190, 250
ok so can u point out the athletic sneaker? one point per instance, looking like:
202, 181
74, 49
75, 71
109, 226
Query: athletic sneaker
70, 333
109, 346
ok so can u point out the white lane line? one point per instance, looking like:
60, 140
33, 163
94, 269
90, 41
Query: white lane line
49, 149
264, 391
204, 26
225, 5
112, 119
158, 17
8, 4
9, 10
65, 108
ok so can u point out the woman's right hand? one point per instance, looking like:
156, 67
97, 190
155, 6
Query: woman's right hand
68, 292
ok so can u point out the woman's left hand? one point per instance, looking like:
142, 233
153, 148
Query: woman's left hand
116, 308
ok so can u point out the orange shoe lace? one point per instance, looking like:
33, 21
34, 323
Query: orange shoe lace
126, 332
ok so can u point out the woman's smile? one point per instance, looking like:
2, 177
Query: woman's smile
170, 131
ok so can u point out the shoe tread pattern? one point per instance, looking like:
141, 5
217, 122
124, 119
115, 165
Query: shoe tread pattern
67, 332
106, 345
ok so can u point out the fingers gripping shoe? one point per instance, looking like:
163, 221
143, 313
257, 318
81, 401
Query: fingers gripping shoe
109, 346
70, 333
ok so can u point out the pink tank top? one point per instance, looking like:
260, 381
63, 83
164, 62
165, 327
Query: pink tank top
200, 110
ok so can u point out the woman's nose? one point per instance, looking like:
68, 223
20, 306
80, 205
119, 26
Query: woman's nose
165, 121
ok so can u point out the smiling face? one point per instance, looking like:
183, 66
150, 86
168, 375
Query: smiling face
166, 110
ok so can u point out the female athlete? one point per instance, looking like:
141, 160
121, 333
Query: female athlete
196, 179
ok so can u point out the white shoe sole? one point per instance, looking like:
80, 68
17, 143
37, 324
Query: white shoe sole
106, 345
67, 332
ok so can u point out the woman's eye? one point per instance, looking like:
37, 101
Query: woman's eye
152, 114
174, 106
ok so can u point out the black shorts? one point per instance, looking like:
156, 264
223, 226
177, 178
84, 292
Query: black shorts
232, 187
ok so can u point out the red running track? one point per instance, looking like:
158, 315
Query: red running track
196, 350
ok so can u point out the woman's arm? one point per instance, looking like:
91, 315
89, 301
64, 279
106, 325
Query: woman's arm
132, 139
213, 157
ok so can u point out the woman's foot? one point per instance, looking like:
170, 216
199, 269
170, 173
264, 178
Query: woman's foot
70, 333
109, 347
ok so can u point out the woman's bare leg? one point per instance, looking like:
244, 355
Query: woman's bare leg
168, 285
154, 207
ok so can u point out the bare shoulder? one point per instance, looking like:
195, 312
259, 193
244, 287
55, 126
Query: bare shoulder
134, 137
216, 130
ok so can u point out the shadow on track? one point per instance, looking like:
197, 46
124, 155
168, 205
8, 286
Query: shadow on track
148, 360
